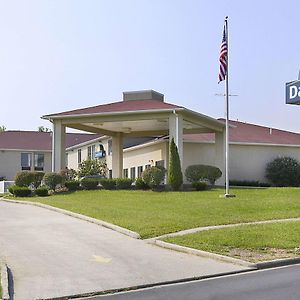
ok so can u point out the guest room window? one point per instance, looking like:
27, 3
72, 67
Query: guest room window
25, 161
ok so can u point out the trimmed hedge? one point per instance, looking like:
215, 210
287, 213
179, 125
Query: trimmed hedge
123, 183
89, 183
11, 189
195, 173
140, 184
24, 178
254, 183
21, 191
72, 185
52, 180
42, 191
284, 171
199, 185
108, 184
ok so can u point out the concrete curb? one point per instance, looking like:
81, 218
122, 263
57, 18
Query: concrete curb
214, 227
117, 228
261, 265
205, 254
4, 281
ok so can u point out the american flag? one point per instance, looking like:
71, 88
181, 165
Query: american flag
223, 57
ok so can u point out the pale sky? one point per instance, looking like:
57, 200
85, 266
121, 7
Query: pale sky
58, 55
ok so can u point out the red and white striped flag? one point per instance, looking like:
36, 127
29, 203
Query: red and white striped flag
223, 57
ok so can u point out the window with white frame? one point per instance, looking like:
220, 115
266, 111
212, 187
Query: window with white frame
26, 161
39, 161
140, 171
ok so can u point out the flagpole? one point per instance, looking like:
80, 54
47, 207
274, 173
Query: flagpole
227, 116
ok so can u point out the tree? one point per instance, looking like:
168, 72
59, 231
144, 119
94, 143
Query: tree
44, 129
2, 128
175, 178
92, 167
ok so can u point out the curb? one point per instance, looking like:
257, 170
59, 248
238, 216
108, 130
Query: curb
4, 281
259, 266
117, 228
205, 254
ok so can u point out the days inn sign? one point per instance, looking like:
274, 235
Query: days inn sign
292, 92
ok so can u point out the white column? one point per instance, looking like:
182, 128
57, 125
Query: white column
219, 155
176, 131
117, 155
58, 146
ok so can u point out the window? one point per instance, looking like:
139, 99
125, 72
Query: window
147, 167
140, 171
79, 156
39, 161
25, 161
93, 151
160, 163
125, 173
89, 152
110, 174
109, 147
132, 173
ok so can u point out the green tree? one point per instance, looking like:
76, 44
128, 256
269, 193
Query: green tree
175, 178
44, 129
92, 167
2, 128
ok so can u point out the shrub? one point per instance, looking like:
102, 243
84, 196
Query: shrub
175, 179
24, 178
123, 183
140, 184
254, 183
21, 191
283, 171
89, 183
42, 191
108, 184
52, 180
154, 176
195, 173
199, 185
92, 167
11, 189
37, 178
72, 185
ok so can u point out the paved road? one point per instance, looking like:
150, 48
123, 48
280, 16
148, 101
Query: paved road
52, 255
275, 284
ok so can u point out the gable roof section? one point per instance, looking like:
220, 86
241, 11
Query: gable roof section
38, 141
122, 106
250, 133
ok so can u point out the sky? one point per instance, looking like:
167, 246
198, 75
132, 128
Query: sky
58, 55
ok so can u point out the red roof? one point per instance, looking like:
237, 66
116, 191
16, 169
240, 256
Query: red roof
122, 106
251, 133
38, 141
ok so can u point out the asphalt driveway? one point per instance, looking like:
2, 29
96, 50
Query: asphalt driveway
53, 255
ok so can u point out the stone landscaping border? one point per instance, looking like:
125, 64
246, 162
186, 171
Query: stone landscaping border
117, 228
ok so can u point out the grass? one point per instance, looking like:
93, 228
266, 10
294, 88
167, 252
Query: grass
249, 242
156, 213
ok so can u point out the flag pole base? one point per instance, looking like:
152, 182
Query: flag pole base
228, 196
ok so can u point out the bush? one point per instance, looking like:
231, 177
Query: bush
108, 184
199, 185
175, 179
123, 183
21, 191
52, 180
89, 184
195, 173
37, 178
283, 171
92, 167
154, 176
24, 178
11, 189
140, 184
254, 183
42, 191
72, 185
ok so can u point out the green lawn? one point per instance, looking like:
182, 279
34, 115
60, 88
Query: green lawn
156, 213
249, 242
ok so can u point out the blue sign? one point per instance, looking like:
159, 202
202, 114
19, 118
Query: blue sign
292, 92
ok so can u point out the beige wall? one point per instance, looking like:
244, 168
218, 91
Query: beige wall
10, 162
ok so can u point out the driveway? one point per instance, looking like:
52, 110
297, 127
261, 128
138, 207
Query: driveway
53, 255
